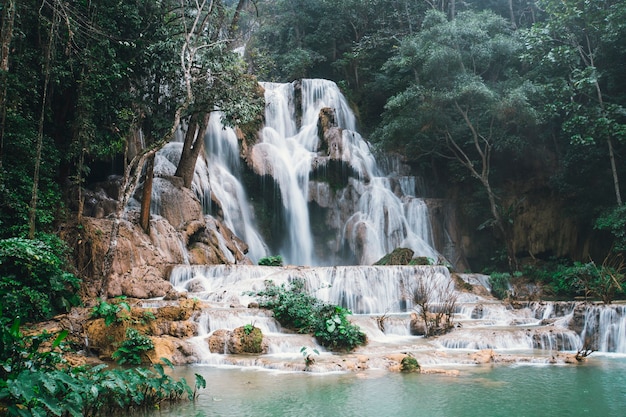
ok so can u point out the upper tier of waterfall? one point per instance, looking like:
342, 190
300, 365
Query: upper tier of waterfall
356, 220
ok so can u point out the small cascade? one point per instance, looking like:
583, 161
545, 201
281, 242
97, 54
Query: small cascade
605, 328
382, 303
362, 290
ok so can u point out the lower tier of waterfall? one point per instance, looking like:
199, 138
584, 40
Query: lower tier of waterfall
381, 298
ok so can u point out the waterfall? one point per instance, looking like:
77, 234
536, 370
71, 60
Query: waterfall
363, 290
605, 328
359, 219
370, 215
338, 207
216, 178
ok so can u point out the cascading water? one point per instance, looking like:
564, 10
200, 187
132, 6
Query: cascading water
365, 214
369, 217
605, 328
216, 176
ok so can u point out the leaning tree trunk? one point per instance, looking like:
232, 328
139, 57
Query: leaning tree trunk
132, 174
194, 141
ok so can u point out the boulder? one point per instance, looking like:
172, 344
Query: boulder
177, 351
218, 341
399, 256
178, 205
242, 340
417, 327
483, 356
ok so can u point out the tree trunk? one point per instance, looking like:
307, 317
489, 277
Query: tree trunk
483, 148
501, 226
81, 198
609, 141
8, 17
129, 184
236, 16
512, 15
194, 141
32, 212
146, 195
618, 194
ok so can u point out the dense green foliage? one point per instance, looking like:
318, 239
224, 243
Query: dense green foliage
35, 380
294, 308
132, 348
271, 261
568, 280
34, 282
114, 312
82, 78
500, 285
614, 220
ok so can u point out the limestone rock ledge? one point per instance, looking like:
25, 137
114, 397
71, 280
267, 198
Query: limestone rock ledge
169, 327
142, 261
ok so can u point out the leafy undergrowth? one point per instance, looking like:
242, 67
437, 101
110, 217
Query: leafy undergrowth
296, 309
35, 380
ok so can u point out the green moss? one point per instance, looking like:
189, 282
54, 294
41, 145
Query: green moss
409, 364
252, 340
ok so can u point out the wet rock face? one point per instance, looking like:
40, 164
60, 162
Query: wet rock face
101, 199
577, 322
178, 205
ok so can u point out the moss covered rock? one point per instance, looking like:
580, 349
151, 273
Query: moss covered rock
399, 256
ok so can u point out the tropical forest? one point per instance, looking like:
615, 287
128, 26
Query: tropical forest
312, 207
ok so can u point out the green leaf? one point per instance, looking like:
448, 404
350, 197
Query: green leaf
60, 337
200, 381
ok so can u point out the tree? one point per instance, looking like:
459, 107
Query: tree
208, 77
6, 34
578, 41
461, 99
213, 77
434, 303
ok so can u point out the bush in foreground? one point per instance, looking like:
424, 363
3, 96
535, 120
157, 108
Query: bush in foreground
36, 381
33, 280
294, 308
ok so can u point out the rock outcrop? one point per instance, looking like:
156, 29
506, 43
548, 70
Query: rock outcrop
244, 339
168, 327
141, 263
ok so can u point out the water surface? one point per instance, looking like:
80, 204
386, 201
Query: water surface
597, 388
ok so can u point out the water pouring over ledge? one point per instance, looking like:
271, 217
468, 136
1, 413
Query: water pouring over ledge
364, 216
335, 207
